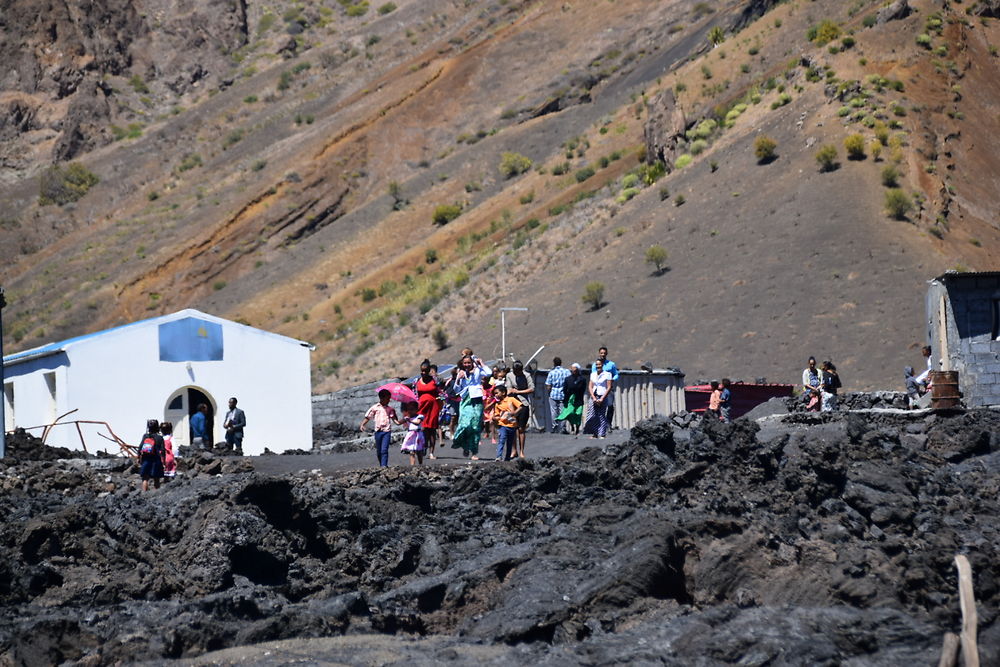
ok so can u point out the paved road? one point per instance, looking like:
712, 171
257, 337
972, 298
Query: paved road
538, 445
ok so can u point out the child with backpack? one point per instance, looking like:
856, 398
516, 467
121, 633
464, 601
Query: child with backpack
151, 455
414, 442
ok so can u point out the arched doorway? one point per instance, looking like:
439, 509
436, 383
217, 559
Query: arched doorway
181, 405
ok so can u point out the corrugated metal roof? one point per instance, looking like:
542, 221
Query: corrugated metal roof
60, 346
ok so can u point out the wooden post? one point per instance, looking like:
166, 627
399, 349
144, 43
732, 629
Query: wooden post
949, 650
967, 600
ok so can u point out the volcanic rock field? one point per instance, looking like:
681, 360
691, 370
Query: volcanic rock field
792, 540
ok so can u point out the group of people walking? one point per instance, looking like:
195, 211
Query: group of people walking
476, 402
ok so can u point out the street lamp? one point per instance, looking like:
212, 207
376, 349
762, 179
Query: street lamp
3, 415
503, 329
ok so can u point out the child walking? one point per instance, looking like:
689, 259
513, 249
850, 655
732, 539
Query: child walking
151, 455
714, 402
414, 442
505, 411
383, 415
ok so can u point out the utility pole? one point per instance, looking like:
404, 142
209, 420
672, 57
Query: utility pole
3, 411
503, 330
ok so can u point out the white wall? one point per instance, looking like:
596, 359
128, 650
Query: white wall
117, 377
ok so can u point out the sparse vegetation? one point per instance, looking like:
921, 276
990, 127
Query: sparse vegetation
657, 256
234, 136
890, 176
898, 203
583, 174
765, 148
445, 213
387, 8
189, 161
827, 158
514, 164
855, 146
63, 185
440, 337
593, 294
679, 200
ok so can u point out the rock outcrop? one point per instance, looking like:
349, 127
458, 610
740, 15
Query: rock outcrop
713, 543
664, 128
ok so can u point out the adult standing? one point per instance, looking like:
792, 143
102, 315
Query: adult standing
151, 454
469, 387
830, 385
725, 401
574, 388
234, 423
555, 383
521, 387
199, 428
599, 388
812, 383
428, 404
612, 368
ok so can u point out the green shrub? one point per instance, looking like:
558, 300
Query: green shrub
683, 161
764, 147
357, 9
855, 146
897, 203
679, 200
387, 8
189, 161
62, 185
890, 176
630, 180
627, 194
593, 294
430, 255
825, 32
218, 285
513, 164
560, 169
445, 213
583, 174
698, 146
250, 99
827, 157
783, 99
440, 337
657, 256
702, 130
368, 294
652, 172
924, 40
233, 137
717, 35
869, 21
138, 85
285, 80
528, 198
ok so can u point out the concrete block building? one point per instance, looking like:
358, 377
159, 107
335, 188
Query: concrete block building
163, 368
963, 330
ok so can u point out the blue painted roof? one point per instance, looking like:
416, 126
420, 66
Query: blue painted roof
59, 346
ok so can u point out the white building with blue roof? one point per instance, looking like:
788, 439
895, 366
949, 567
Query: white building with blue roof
163, 368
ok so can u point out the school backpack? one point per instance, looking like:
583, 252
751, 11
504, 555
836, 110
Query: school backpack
148, 447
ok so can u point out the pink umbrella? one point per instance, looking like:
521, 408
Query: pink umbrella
400, 392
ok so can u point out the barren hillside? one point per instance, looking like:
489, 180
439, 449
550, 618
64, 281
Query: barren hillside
380, 178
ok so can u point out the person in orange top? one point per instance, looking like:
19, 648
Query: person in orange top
714, 402
505, 411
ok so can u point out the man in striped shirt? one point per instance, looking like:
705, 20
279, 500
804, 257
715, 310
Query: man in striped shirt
554, 382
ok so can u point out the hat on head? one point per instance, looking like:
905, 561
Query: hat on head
574, 365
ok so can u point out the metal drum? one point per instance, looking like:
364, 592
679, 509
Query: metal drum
944, 389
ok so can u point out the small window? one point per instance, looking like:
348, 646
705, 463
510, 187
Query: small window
50, 384
177, 403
